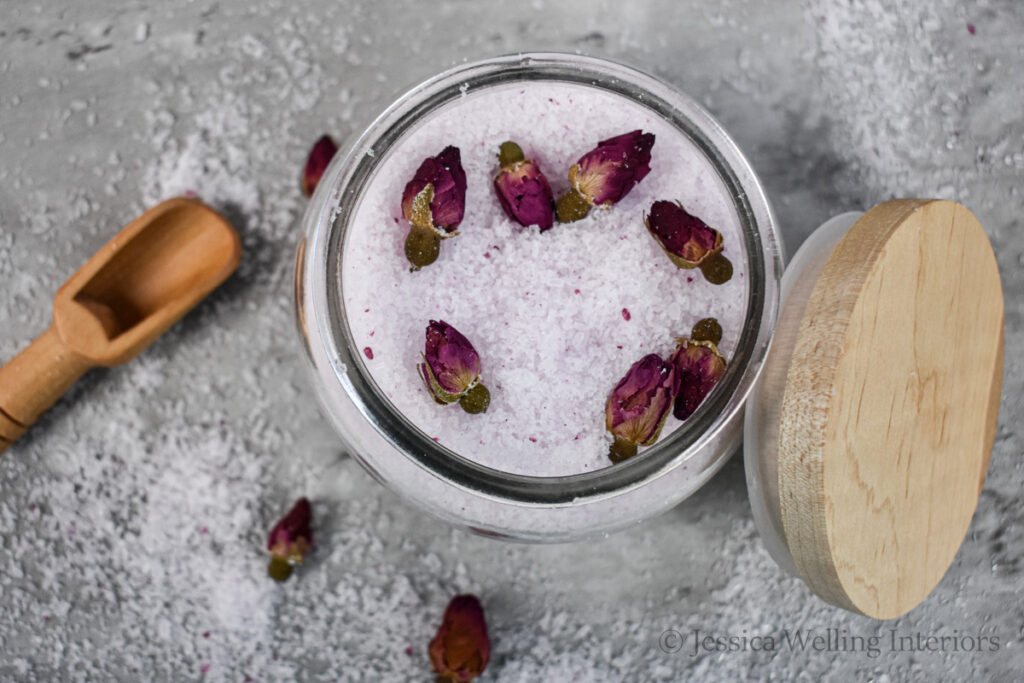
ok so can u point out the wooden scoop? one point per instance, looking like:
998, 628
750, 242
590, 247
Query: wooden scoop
134, 288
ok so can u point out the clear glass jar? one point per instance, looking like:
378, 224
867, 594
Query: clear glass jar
452, 487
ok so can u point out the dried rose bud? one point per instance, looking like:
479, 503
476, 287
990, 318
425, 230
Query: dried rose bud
434, 202
699, 366
639, 404
686, 239
606, 174
523, 190
451, 369
323, 151
290, 540
460, 650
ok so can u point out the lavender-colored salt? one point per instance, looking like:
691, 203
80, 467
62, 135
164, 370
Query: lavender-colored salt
545, 311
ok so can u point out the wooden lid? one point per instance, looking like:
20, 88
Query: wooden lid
890, 406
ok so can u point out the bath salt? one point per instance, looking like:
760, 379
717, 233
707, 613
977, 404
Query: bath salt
557, 317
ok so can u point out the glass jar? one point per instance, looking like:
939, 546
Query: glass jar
520, 507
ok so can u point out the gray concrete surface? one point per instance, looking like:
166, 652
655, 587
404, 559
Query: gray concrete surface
132, 516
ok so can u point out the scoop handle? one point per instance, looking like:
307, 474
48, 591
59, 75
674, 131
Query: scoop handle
33, 381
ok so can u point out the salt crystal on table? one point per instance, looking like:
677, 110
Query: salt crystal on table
550, 358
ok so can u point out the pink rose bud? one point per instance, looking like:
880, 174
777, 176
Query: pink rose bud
523, 190
606, 174
686, 239
699, 367
460, 650
323, 151
290, 540
451, 369
639, 404
434, 202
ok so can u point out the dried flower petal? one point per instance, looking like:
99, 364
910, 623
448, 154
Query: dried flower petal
522, 189
699, 366
451, 368
320, 156
606, 174
460, 650
290, 539
639, 404
687, 240
435, 199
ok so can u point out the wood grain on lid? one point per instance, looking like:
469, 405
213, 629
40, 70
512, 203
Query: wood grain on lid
890, 406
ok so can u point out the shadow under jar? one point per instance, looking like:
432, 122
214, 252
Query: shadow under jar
496, 490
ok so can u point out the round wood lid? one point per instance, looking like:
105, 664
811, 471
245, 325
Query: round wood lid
890, 406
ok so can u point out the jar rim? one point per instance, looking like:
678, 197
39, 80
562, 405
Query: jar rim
336, 201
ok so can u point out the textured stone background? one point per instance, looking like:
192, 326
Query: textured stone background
132, 516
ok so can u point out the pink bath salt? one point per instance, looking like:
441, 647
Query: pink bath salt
625, 314
368, 352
